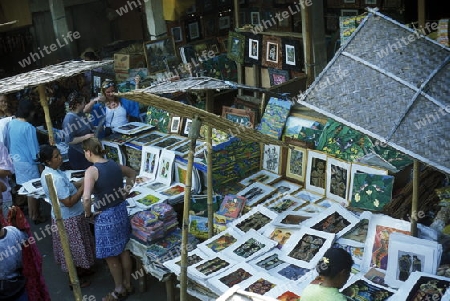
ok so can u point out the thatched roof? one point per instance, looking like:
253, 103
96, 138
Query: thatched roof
391, 84
47, 74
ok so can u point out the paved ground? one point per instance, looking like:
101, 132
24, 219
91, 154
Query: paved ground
101, 281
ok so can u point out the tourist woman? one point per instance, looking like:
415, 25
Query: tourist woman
23, 146
76, 129
69, 195
334, 270
112, 226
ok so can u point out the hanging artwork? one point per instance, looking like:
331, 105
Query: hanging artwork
253, 49
274, 117
336, 220
159, 118
242, 117
160, 54
371, 192
307, 247
338, 180
316, 172
236, 47
272, 55
175, 125
278, 76
377, 242
296, 164
149, 162
292, 54
271, 158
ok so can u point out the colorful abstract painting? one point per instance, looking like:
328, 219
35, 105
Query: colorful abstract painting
371, 192
159, 118
274, 117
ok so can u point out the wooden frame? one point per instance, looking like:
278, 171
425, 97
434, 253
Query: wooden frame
236, 47
225, 22
160, 53
315, 172
296, 164
338, 170
186, 127
175, 125
193, 30
255, 18
241, 116
177, 34
253, 49
278, 76
271, 52
271, 158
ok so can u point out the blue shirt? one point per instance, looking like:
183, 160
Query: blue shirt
64, 189
22, 141
75, 125
10, 253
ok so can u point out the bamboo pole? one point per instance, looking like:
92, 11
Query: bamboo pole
209, 187
308, 43
421, 9
415, 198
193, 135
48, 120
64, 240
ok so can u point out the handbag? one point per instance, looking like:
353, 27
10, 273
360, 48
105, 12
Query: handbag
12, 289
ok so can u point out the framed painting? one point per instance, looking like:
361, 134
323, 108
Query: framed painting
148, 138
271, 52
274, 117
253, 49
236, 47
271, 158
371, 192
241, 116
259, 218
268, 261
175, 125
113, 152
255, 18
377, 242
338, 180
263, 285
277, 76
357, 168
186, 127
279, 234
296, 164
249, 246
193, 30
423, 286
308, 196
410, 254
175, 29
349, 12
307, 247
231, 277
168, 142
165, 167
160, 53
97, 80
292, 54
316, 172
149, 162
335, 219
225, 22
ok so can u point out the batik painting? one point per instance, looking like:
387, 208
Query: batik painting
371, 192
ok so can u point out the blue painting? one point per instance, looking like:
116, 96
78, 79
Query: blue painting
274, 117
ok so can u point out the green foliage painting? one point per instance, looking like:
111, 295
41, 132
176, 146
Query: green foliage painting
371, 192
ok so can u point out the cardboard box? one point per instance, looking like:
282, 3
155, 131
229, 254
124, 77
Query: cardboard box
121, 76
123, 62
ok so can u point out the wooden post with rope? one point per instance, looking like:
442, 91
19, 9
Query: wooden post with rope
64, 240
209, 187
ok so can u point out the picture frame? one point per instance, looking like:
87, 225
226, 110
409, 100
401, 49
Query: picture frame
168, 142
253, 49
225, 22
236, 47
371, 192
193, 30
149, 162
291, 219
361, 168
242, 117
299, 249
220, 242
267, 261
165, 168
278, 76
271, 52
286, 203
296, 164
281, 235
186, 127
255, 18
175, 125
292, 54
271, 158
316, 172
132, 128
113, 152
159, 53
177, 34
410, 254
349, 12
97, 78
376, 248
335, 219
261, 284
338, 180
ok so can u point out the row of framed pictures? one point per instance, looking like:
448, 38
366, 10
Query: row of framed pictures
358, 185
268, 51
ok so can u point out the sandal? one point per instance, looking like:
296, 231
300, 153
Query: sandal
115, 296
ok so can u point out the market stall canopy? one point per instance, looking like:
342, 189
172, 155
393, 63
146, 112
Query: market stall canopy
148, 97
391, 83
48, 74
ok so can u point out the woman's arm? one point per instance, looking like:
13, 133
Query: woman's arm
80, 139
90, 177
73, 199
88, 107
130, 175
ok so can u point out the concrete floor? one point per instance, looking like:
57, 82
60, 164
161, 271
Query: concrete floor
101, 282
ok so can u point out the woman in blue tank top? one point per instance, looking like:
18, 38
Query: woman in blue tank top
112, 226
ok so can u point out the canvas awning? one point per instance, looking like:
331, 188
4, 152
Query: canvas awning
392, 84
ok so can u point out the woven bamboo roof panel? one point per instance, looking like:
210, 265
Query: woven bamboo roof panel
392, 84
48, 74
210, 119
189, 84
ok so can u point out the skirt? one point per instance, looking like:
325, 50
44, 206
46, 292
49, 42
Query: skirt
81, 243
112, 231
